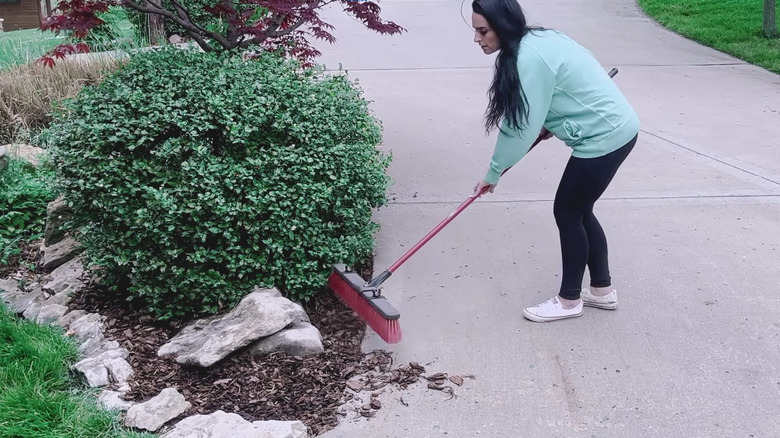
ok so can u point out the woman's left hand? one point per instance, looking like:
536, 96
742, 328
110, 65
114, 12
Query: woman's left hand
481, 185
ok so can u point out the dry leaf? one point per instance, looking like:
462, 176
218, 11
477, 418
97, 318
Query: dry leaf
355, 385
458, 380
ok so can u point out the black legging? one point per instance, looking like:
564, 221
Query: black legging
582, 240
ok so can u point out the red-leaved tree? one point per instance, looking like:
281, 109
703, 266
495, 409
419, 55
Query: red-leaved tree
275, 25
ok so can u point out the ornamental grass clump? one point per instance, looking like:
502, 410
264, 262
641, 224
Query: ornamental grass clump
194, 177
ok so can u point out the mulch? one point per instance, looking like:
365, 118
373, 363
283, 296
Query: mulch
24, 264
272, 387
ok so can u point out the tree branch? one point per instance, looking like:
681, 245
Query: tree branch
195, 31
289, 30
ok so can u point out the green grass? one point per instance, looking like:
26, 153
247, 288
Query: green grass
731, 26
37, 395
22, 46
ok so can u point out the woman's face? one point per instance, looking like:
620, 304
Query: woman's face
484, 35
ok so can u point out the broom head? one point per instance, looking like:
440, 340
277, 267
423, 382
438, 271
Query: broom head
367, 302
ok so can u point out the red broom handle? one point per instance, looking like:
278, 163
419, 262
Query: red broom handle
453, 215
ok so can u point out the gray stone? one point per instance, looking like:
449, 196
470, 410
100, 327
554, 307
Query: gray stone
31, 314
3, 159
87, 327
228, 425
94, 372
94, 346
73, 268
19, 301
300, 340
119, 369
28, 153
51, 313
57, 212
71, 317
60, 253
62, 298
302, 316
95, 369
112, 400
153, 414
9, 286
207, 341
63, 285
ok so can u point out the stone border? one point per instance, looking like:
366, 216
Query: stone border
103, 363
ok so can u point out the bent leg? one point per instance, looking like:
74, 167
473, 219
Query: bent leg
583, 242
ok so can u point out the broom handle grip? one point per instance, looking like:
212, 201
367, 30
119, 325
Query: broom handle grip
462, 207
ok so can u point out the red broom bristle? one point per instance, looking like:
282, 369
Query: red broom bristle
388, 329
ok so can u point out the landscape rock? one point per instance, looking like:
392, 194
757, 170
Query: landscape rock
71, 317
57, 213
60, 253
31, 154
94, 346
19, 301
153, 414
300, 340
51, 313
224, 425
9, 286
3, 159
95, 369
63, 285
112, 400
73, 268
31, 314
94, 372
119, 370
62, 298
87, 327
207, 341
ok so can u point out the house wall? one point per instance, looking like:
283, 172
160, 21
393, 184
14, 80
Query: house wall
24, 14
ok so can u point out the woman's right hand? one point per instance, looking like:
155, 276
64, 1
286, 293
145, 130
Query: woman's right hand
544, 134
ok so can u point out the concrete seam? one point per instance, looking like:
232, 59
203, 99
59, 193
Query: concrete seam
718, 160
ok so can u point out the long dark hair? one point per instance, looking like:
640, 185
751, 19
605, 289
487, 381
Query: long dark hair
507, 100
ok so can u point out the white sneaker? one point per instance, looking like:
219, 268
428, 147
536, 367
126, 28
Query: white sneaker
551, 310
608, 301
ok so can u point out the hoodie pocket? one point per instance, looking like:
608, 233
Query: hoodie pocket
573, 130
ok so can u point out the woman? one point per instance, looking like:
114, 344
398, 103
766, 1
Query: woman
544, 80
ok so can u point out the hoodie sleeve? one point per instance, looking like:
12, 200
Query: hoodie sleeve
538, 83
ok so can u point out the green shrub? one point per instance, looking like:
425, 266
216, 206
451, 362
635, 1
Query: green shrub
198, 176
25, 192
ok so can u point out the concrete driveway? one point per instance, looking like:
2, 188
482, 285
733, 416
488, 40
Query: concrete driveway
693, 221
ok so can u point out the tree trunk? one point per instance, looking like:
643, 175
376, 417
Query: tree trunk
156, 28
770, 23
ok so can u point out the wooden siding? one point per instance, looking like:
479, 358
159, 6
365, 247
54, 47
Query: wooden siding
22, 15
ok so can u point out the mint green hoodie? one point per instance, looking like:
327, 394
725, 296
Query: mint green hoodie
571, 95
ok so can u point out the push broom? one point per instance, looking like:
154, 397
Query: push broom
366, 299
